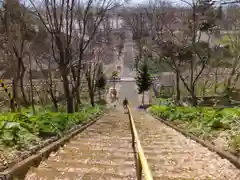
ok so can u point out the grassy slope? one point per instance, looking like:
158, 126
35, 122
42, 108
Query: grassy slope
19, 132
218, 126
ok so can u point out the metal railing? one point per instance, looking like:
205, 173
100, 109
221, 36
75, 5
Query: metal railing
140, 159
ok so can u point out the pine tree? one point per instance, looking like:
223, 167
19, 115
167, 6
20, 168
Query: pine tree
101, 81
143, 80
209, 14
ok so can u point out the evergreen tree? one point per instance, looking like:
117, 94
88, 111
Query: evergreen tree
101, 81
143, 80
209, 14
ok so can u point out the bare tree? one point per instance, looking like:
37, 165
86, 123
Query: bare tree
72, 25
231, 62
17, 28
43, 63
187, 50
91, 72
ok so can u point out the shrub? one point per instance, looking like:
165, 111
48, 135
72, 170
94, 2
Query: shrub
198, 117
22, 129
204, 122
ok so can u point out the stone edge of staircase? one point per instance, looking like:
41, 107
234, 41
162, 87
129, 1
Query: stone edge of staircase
22, 167
223, 154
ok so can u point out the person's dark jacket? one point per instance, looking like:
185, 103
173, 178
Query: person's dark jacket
125, 102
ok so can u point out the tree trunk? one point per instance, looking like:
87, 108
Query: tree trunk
191, 90
54, 100
91, 94
76, 106
14, 94
31, 89
70, 107
69, 98
52, 91
78, 100
228, 92
12, 105
178, 95
25, 101
193, 98
216, 82
55, 105
22, 72
90, 89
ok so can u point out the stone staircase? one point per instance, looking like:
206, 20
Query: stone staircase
104, 152
101, 152
172, 156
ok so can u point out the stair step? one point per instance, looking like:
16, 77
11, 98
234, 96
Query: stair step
105, 127
157, 142
121, 171
112, 149
68, 164
173, 178
90, 161
103, 134
107, 176
113, 157
90, 144
180, 175
113, 139
38, 174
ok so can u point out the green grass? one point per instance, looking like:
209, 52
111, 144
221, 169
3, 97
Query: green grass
155, 74
25, 129
205, 122
225, 39
230, 39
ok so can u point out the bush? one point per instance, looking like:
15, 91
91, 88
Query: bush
204, 122
199, 120
211, 117
22, 129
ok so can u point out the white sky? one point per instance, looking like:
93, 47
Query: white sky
177, 2
136, 2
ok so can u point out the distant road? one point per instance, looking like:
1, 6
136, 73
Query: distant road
131, 79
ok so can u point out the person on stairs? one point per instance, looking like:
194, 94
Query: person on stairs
125, 103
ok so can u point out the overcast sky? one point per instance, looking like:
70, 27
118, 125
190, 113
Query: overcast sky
176, 2
136, 2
